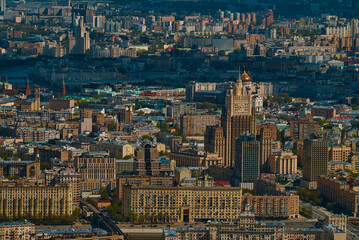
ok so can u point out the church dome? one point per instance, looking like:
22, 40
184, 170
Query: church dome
245, 77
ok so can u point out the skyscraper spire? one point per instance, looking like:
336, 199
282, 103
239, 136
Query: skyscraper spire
28, 89
239, 74
63, 87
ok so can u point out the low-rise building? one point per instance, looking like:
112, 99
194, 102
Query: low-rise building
17, 230
191, 158
283, 162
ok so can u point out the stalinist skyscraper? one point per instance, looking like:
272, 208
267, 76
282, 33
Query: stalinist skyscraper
238, 116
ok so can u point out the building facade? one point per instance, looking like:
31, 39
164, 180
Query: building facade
181, 204
247, 164
315, 160
196, 124
283, 162
35, 201
133, 180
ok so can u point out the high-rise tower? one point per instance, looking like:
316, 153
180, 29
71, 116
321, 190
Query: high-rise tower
238, 116
247, 164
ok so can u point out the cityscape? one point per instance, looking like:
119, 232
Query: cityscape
179, 119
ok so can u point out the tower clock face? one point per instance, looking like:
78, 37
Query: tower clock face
240, 108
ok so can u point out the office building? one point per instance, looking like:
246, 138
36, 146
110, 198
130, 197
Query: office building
266, 135
96, 165
147, 160
196, 124
339, 153
85, 120
214, 140
339, 192
180, 108
275, 206
125, 115
303, 127
181, 204
247, 165
315, 161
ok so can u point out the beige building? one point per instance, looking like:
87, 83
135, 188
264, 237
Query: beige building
17, 230
96, 170
339, 192
35, 201
134, 180
60, 104
191, 158
337, 220
315, 161
96, 166
28, 169
283, 162
282, 206
339, 153
181, 204
181, 173
354, 160
339, 166
32, 104
214, 140
119, 150
196, 124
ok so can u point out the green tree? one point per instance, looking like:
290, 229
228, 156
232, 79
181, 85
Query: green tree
104, 193
265, 103
133, 216
45, 165
147, 137
111, 126
14, 177
162, 153
127, 157
286, 97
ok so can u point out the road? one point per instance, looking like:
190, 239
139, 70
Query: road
100, 220
353, 232
320, 212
